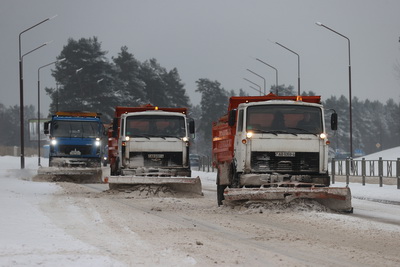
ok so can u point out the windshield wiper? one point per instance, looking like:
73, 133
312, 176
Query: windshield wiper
264, 131
275, 132
304, 130
172, 136
141, 135
283, 132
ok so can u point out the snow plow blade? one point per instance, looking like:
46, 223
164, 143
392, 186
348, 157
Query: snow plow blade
78, 175
181, 184
334, 198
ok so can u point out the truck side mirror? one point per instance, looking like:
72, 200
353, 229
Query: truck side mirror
46, 127
334, 121
232, 117
115, 128
191, 126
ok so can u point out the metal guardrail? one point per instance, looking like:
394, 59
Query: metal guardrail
366, 168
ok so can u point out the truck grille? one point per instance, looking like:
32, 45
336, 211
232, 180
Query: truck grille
274, 162
158, 159
74, 150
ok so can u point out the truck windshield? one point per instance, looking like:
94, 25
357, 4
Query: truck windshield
155, 126
79, 129
278, 119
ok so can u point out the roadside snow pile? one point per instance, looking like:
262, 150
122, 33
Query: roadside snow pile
28, 237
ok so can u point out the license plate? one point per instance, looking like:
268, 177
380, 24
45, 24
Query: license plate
155, 156
285, 154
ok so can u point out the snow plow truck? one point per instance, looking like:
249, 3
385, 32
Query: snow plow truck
76, 147
275, 148
149, 145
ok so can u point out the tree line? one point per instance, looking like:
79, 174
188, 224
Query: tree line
87, 80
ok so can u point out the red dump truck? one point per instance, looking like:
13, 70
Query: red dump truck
275, 148
150, 145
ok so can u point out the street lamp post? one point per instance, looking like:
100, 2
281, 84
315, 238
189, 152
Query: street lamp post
38, 125
298, 66
259, 87
22, 138
276, 74
58, 95
350, 106
260, 77
21, 90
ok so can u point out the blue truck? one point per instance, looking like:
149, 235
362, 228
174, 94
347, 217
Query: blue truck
77, 141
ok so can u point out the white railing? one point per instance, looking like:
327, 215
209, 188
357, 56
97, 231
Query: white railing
366, 168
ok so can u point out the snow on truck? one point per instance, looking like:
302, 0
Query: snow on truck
275, 148
149, 145
76, 146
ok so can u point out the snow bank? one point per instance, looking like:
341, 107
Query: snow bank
28, 237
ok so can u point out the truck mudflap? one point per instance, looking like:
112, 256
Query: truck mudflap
334, 198
63, 174
181, 184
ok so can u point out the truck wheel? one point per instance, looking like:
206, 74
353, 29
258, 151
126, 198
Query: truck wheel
220, 194
220, 191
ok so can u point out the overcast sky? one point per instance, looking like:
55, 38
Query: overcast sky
214, 39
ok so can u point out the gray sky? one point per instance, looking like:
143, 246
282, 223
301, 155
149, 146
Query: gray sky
214, 39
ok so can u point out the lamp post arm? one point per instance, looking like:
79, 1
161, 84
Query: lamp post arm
276, 73
260, 77
254, 84
338, 33
37, 24
298, 65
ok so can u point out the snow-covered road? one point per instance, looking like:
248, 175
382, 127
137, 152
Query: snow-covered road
69, 224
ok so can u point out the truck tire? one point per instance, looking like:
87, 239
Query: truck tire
220, 194
220, 191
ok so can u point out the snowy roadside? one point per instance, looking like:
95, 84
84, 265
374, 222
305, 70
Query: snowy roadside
28, 237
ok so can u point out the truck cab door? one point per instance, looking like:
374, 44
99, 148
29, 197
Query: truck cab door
239, 152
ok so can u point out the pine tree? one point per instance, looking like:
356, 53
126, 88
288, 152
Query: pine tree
214, 103
175, 90
78, 79
130, 88
152, 74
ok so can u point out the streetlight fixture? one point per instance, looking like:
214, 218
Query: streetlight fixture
298, 66
350, 109
276, 73
260, 77
259, 87
21, 90
38, 125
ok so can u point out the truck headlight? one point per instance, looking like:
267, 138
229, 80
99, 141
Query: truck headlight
185, 139
53, 142
97, 142
249, 134
323, 136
